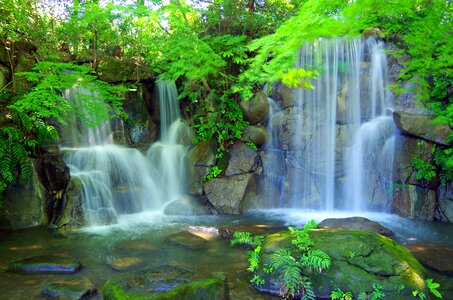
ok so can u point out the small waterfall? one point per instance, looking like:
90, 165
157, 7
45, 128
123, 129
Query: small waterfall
118, 180
334, 137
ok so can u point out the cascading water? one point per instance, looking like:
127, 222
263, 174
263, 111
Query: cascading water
117, 180
334, 136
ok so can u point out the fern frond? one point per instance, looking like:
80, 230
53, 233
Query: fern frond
309, 293
281, 258
316, 260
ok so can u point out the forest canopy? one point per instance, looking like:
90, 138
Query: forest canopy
217, 50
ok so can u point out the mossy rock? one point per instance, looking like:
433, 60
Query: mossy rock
359, 260
46, 264
164, 285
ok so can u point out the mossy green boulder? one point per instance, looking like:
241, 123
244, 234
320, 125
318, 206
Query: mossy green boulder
165, 285
359, 260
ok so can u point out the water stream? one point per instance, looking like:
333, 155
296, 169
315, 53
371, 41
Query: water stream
117, 180
338, 130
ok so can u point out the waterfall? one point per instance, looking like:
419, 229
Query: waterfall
335, 136
118, 180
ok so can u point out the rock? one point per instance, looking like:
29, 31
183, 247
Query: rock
70, 289
445, 199
421, 126
88, 56
140, 126
435, 257
165, 284
406, 148
186, 206
200, 157
46, 264
24, 63
255, 134
227, 232
356, 223
411, 201
136, 245
188, 240
125, 263
285, 95
72, 214
113, 69
226, 194
243, 159
256, 109
376, 32
24, 204
358, 260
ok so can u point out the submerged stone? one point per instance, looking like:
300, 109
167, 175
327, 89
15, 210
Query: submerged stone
186, 206
46, 264
125, 263
227, 232
135, 245
188, 240
358, 260
71, 289
165, 284
356, 223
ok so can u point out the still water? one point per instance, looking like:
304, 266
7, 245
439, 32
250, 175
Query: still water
94, 247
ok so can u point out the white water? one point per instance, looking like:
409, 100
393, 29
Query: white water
118, 180
334, 159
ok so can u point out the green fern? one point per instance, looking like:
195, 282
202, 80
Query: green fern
316, 260
340, 295
433, 286
362, 296
378, 292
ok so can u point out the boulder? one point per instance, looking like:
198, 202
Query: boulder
256, 109
414, 202
356, 223
125, 263
70, 289
113, 69
24, 204
186, 206
243, 159
436, 257
358, 261
258, 135
72, 213
422, 126
284, 95
46, 264
226, 194
200, 157
445, 199
187, 240
166, 284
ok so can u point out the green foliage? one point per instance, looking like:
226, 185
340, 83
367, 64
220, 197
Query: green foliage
338, 294
296, 78
254, 255
425, 171
433, 287
378, 292
213, 173
252, 145
419, 294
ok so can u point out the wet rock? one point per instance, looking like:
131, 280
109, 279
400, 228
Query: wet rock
143, 245
113, 69
243, 159
445, 199
285, 96
24, 204
70, 289
188, 240
358, 260
422, 126
72, 214
165, 285
186, 206
414, 202
227, 232
435, 257
405, 149
46, 264
227, 194
256, 109
200, 157
140, 126
255, 134
125, 263
356, 223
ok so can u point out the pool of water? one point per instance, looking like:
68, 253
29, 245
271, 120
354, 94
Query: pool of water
95, 246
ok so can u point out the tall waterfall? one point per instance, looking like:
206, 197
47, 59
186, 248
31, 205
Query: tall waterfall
117, 180
335, 136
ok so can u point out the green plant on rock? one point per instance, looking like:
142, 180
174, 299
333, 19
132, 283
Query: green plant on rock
433, 287
376, 294
254, 255
213, 173
338, 294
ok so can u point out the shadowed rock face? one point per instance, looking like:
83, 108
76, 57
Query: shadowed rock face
435, 257
356, 223
46, 264
359, 260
